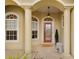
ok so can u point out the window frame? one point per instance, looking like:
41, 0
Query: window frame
17, 29
37, 27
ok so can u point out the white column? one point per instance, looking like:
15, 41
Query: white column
28, 34
67, 31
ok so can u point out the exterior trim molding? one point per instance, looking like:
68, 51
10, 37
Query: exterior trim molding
36, 1
16, 1
26, 4
65, 4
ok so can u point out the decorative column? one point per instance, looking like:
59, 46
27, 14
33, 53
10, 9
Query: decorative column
67, 31
28, 34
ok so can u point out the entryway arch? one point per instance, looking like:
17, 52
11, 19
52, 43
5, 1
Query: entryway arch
52, 3
48, 30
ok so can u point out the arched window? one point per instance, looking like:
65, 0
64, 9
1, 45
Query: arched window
34, 28
11, 26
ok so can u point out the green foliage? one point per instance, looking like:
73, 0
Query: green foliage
10, 57
17, 56
24, 56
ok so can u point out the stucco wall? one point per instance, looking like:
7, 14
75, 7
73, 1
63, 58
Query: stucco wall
10, 2
16, 47
72, 32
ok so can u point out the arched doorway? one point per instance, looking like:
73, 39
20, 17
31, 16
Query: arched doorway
48, 30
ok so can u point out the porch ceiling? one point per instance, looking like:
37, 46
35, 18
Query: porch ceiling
51, 10
42, 6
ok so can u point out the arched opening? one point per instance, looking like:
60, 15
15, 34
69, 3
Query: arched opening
40, 9
45, 3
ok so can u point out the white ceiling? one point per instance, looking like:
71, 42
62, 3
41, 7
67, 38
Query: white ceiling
51, 10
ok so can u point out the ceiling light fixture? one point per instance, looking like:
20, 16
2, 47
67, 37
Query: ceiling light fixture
48, 11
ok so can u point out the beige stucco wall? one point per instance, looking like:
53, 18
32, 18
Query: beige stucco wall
72, 32
10, 2
16, 47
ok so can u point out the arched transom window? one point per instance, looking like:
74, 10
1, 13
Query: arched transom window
47, 19
11, 26
34, 28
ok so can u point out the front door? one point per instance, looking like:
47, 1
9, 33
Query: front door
48, 32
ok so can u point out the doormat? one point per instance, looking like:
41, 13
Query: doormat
47, 45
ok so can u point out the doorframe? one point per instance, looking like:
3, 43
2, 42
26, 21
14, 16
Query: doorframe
53, 31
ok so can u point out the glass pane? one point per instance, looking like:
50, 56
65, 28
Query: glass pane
11, 24
35, 32
15, 32
32, 32
7, 37
11, 32
7, 32
35, 36
48, 32
11, 35
32, 36
34, 25
15, 37
11, 16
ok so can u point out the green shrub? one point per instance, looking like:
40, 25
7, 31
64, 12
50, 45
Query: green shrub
10, 57
17, 56
24, 56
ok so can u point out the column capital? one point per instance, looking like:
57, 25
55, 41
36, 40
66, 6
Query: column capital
68, 7
26, 7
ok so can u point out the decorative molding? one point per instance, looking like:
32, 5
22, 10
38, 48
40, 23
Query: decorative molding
16, 1
70, 5
26, 3
60, 2
65, 4
35, 2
